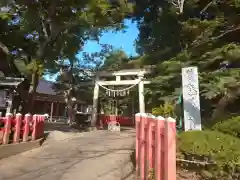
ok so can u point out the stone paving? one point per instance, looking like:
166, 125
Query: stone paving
97, 155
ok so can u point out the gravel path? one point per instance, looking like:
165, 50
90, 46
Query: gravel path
98, 155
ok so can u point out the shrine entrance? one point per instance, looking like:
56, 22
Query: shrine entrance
124, 81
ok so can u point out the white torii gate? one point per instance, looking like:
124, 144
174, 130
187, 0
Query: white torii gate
118, 74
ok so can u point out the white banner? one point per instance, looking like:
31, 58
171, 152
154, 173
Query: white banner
191, 100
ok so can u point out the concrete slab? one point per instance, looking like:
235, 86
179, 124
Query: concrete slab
97, 155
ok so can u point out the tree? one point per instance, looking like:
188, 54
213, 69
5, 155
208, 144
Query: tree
59, 29
73, 75
205, 34
114, 61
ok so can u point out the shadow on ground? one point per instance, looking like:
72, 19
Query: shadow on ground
58, 126
106, 152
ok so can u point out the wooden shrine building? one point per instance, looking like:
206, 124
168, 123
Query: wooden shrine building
51, 101
14, 92
13, 86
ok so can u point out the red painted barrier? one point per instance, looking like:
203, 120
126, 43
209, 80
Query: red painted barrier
103, 120
155, 147
19, 128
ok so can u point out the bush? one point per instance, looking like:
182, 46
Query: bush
215, 147
230, 126
219, 147
165, 110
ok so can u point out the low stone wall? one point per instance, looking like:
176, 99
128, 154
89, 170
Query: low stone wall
13, 149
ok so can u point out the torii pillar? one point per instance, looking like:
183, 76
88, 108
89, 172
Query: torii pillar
141, 94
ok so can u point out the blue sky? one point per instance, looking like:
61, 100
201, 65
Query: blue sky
119, 40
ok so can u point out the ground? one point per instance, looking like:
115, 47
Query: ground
183, 174
68, 154
97, 155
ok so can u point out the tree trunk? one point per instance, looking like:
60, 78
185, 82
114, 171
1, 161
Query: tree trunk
219, 111
69, 104
32, 92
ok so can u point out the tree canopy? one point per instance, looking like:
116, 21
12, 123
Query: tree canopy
205, 34
197, 33
57, 30
43, 34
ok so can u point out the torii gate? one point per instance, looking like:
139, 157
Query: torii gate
129, 73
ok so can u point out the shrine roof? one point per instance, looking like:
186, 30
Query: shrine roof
10, 81
46, 87
46, 91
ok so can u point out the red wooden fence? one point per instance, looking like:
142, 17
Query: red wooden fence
155, 147
103, 120
19, 128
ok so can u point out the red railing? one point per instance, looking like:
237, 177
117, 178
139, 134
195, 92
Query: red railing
19, 128
155, 147
103, 120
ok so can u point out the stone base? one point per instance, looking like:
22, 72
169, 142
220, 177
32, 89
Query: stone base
13, 149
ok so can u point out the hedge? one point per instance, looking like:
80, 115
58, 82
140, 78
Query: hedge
230, 126
222, 148
214, 147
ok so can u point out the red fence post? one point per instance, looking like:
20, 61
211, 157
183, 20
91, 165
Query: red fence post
170, 149
2, 120
159, 148
17, 129
7, 128
137, 125
143, 143
41, 126
34, 127
150, 141
38, 133
26, 129
155, 146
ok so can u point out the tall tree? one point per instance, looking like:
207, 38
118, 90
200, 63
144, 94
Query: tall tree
205, 34
59, 29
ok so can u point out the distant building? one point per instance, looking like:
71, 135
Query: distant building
50, 100
13, 86
14, 92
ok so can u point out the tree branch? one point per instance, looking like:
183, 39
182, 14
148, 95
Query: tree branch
216, 37
179, 4
207, 6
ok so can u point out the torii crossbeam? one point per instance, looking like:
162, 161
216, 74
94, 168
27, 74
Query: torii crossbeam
139, 79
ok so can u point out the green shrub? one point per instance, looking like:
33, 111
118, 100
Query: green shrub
165, 110
221, 148
212, 146
230, 126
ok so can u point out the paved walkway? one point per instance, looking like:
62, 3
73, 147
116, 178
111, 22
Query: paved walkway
98, 155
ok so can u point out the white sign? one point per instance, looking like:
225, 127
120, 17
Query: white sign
2, 98
191, 101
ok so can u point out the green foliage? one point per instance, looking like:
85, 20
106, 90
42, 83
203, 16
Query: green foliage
165, 110
217, 147
57, 30
230, 126
36, 66
205, 35
4, 16
115, 60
